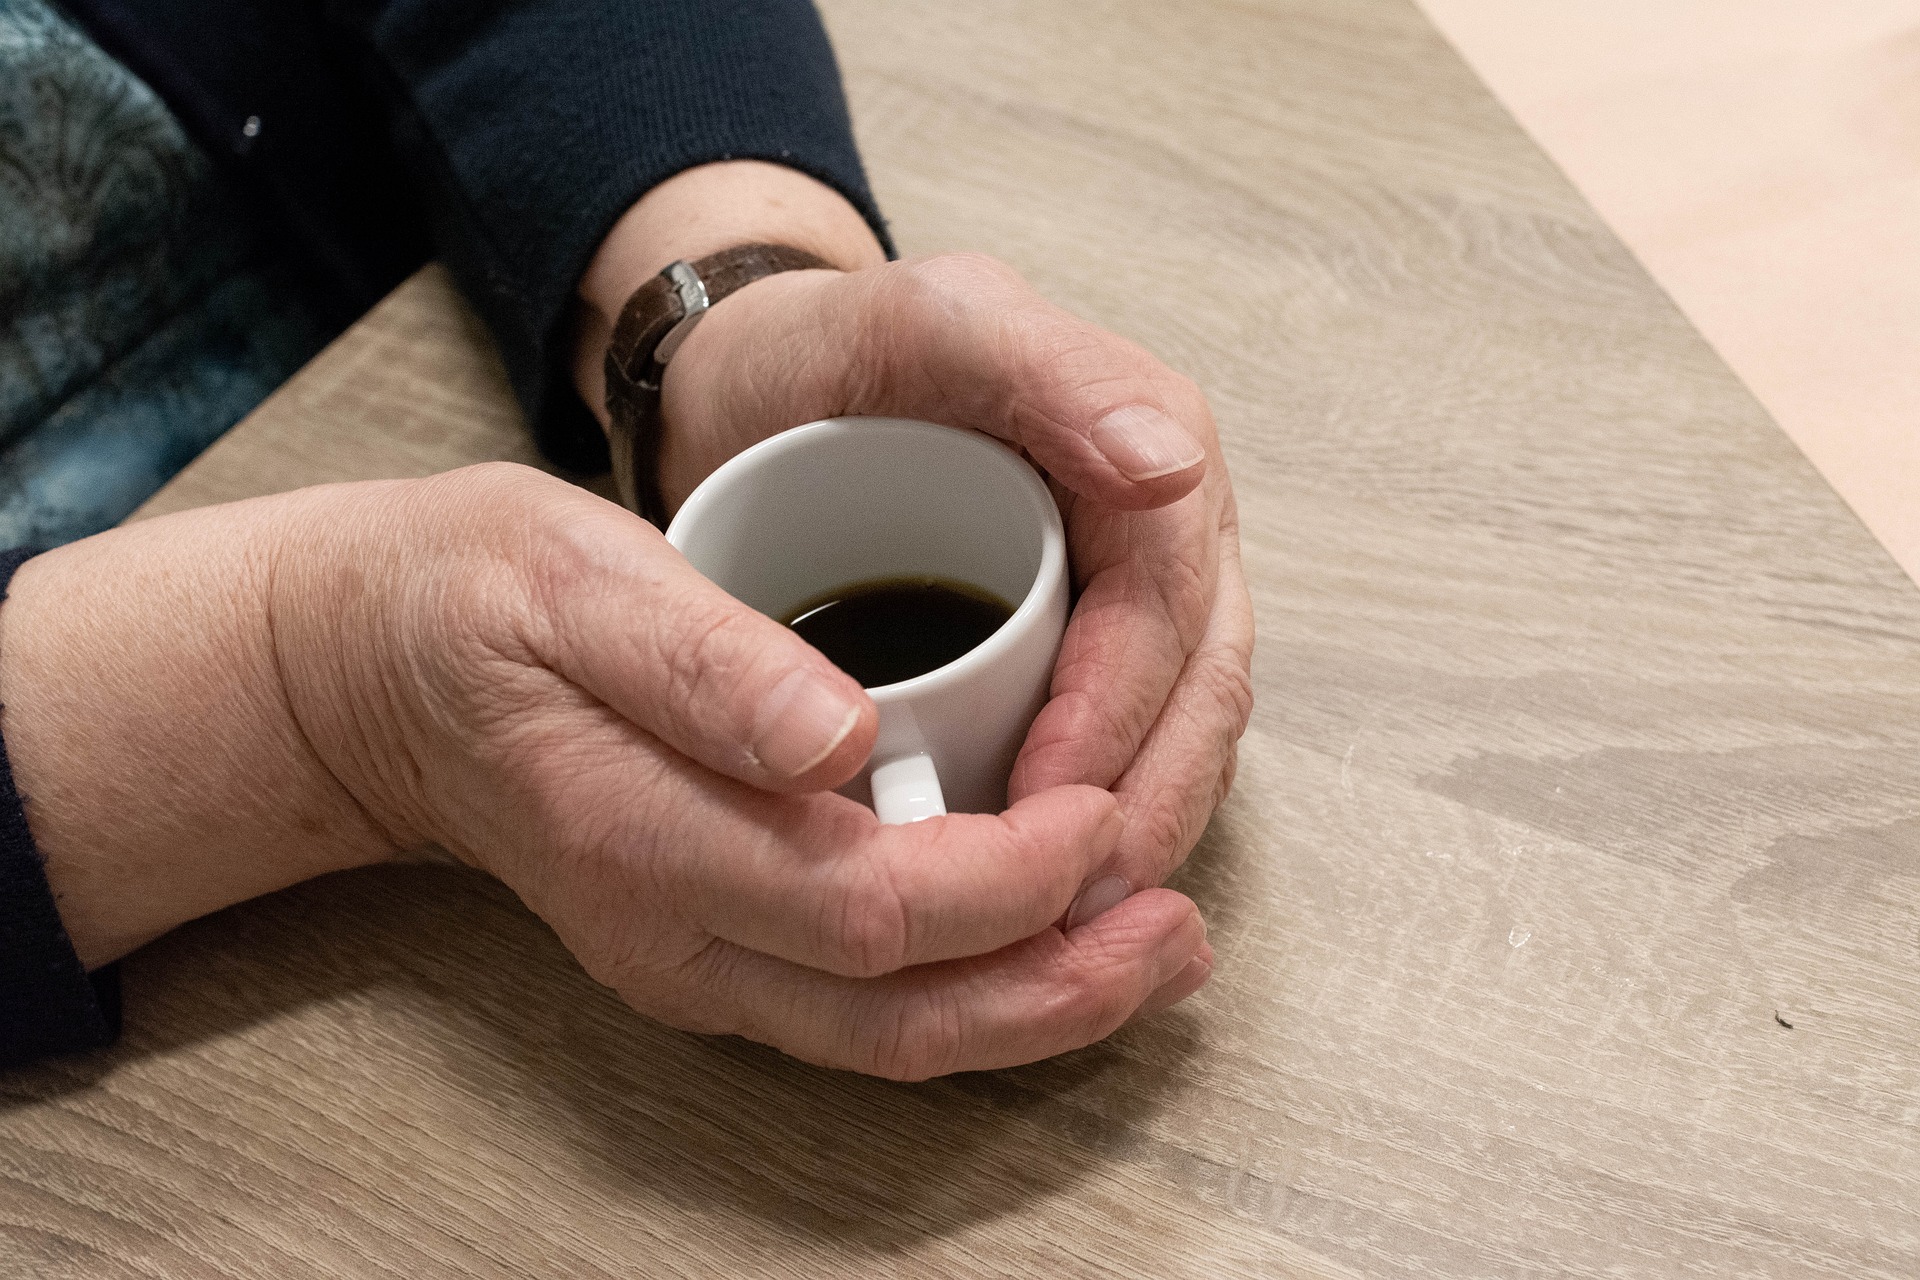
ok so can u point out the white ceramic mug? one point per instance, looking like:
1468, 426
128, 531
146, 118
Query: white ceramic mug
850, 500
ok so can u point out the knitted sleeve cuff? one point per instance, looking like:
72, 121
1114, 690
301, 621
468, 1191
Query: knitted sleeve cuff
537, 125
48, 1003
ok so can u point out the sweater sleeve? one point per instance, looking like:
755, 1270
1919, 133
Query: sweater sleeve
48, 1003
505, 136
534, 125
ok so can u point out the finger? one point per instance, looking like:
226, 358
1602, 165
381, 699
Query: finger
638, 627
962, 339
1045, 995
1150, 582
835, 890
1185, 764
959, 339
1177, 988
816, 880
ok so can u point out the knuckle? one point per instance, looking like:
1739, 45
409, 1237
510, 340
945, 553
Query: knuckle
1087, 723
508, 498
514, 475
531, 543
1228, 772
1090, 1007
572, 540
1051, 350
867, 936
688, 997
916, 1037
561, 566
1092, 710
1167, 829
705, 650
622, 959
1231, 685
1184, 587
494, 481
964, 274
953, 294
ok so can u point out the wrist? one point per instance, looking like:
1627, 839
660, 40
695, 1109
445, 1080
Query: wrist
412, 625
163, 773
699, 212
719, 393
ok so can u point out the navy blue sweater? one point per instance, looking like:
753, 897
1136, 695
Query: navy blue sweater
505, 138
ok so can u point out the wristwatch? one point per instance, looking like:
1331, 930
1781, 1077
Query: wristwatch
653, 324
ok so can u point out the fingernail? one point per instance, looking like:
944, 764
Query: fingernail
1098, 898
1167, 966
1192, 976
1173, 957
800, 723
1144, 444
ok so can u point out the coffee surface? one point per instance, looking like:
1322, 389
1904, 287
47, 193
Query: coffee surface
893, 629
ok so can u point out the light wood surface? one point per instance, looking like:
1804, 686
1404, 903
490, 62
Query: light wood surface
1762, 158
1583, 763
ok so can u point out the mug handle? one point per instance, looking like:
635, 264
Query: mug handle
907, 789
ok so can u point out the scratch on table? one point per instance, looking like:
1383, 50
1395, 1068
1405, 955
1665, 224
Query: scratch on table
1346, 772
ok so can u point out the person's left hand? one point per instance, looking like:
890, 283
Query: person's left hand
1152, 690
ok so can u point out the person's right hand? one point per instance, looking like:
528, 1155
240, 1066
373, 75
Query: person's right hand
505, 665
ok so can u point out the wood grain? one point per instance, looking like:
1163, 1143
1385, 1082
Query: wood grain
1585, 741
415, 388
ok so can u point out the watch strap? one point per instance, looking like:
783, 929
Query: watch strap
652, 324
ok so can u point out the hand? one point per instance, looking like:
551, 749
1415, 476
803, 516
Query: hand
505, 665
1152, 691
215, 704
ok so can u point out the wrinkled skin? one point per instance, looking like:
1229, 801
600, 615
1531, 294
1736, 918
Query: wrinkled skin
1153, 688
533, 679
213, 705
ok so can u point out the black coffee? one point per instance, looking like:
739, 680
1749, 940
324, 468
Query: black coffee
894, 629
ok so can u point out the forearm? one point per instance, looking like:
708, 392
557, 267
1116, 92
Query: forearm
145, 710
144, 717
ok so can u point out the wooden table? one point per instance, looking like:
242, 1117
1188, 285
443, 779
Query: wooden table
1568, 907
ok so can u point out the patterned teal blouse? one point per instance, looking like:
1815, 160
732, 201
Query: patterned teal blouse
142, 311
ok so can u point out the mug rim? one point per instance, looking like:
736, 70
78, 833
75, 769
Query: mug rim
1053, 538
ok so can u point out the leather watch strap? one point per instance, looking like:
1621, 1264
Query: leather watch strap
652, 324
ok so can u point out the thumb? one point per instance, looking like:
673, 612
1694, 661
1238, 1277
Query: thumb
962, 339
642, 630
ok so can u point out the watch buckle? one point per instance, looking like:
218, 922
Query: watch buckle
691, 290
